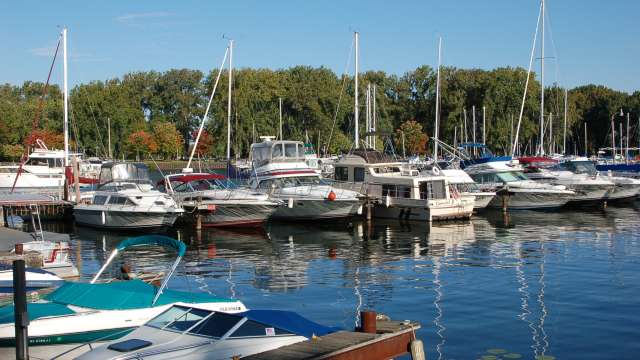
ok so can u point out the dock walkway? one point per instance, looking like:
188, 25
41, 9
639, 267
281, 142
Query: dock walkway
392, 339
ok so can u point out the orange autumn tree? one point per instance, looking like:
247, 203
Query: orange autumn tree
142, 142
52, 139
205, 144
415, 140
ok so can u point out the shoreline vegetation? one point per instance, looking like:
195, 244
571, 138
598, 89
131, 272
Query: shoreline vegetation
156, 114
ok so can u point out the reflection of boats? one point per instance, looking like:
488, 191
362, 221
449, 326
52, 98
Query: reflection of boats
126, 199
225, 203
193, 332
279, 169
83, 312
401, 192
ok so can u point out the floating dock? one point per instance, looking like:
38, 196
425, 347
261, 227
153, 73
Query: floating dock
388, 339
22, 204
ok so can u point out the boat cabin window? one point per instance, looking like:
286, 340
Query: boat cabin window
341, 173
265, 184
119, 200
432, 190
290, 150
386, 170
512, 176
254, 328
277, 151
579, 167
358, 174
396, 191
216, 325
168, 316
99, 200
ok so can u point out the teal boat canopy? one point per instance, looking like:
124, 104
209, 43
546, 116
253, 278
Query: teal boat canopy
159, 240
122, 295
35, 310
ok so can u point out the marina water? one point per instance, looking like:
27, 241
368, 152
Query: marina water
528, 285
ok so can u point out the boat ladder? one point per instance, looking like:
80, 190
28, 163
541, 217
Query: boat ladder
35, 221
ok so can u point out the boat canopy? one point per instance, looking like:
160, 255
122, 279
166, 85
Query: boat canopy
125, 172
159, 240
123, 295
198, 176
282, 150
289, 321
35, 310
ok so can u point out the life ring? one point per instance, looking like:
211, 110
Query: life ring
435, 171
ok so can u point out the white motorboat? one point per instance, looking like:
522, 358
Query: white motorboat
88, 312
43, 171
398, 189
193, 332
577, 174
36, 279
222, 203
279, 169
514, 190
127, 200
465, 186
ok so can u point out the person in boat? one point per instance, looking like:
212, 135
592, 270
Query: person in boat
126, 273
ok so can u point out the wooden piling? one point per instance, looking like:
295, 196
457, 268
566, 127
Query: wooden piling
368, 322
21, 322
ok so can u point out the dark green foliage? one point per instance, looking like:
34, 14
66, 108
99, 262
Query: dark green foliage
310, 97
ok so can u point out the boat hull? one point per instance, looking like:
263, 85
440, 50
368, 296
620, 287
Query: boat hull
589, 194
314, 209
482, 200
623, 192
449, 210
126, 220
231, 215
529, 200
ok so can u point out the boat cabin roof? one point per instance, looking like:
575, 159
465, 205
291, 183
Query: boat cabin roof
124, 172
280, 150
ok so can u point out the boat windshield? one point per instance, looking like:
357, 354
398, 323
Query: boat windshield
509, 176
178, 318
293, 181
198, 185
50, 162
579, 167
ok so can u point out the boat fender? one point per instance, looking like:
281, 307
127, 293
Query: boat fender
331, 196
435, 171
387, 201
290, 203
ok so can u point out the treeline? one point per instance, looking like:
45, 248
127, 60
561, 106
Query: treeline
157, 113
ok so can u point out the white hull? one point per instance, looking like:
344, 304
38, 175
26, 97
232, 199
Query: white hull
442, 210
482, 199
313, 209
123, 219
623, 191
230, 214
31, 182
590, 193
521, 199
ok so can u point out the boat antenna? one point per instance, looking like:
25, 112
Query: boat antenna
206, 113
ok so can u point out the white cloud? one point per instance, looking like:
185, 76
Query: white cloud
131, 17
47, 51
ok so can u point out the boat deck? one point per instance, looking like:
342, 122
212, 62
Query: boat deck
392, 339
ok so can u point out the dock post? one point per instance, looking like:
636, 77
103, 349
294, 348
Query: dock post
76, 178
368, 322
5, 221
21, 316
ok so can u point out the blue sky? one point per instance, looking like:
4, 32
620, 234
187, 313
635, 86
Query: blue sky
595, 41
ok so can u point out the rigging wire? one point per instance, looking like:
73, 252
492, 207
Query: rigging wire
344, 82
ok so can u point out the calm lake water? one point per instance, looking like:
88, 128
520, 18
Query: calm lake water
532, 285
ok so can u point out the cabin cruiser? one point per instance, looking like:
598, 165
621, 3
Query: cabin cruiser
579, 175
279, 169
398, 189
126, 199
77, 312
193, 332
43, 170
514, 190
223, 203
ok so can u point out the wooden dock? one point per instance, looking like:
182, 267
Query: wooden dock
21, 204
390, 339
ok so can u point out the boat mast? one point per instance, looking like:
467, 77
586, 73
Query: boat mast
586, 148
626, 153
621, 147
541, 148
564, 135
280, 112
464, 111
484, 134
435, 143
613, 140
65, 97
229, 100
375, 117
355, 116
109, 136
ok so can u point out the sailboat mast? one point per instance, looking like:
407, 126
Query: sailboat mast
280, 114
229, 100
375, 119
484, 124
586, 148
541, 150
109, 136
564, 135
626, 153
435, 144
356, 110
65, 87
464, 111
